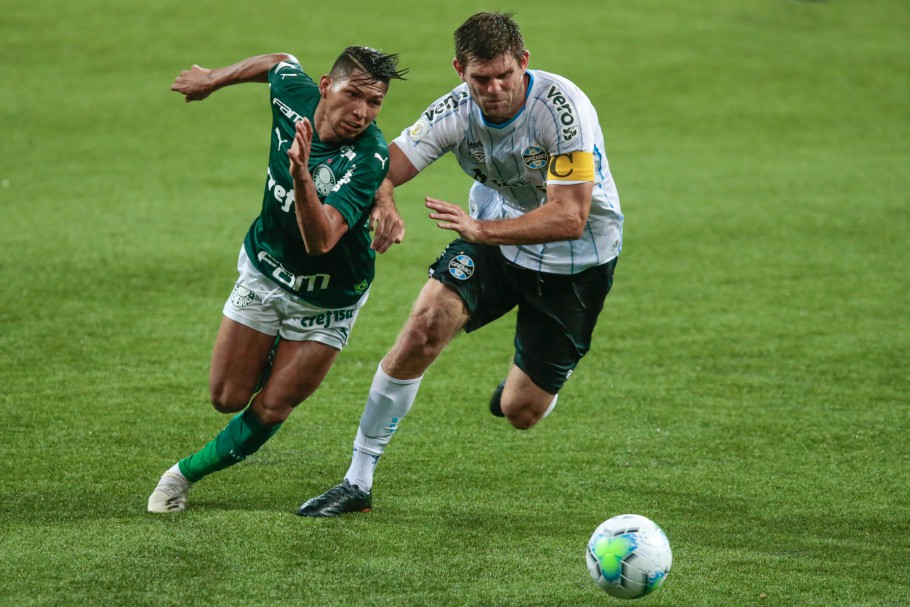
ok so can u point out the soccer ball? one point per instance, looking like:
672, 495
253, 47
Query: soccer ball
629, 556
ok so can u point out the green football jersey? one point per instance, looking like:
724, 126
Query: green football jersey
346, 177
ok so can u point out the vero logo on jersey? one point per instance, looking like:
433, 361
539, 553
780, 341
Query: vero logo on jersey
448, 103
565, 111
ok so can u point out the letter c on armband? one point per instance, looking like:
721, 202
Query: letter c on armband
574, 166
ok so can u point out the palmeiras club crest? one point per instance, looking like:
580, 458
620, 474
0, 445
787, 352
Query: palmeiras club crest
323, 179
241, 297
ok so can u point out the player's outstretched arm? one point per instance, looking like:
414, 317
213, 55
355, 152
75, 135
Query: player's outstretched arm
197, 83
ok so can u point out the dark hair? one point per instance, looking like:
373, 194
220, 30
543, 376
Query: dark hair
485, 36
376, 64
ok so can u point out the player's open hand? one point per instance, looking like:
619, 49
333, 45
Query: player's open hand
299, 153
385, 221
452, 217
195, 84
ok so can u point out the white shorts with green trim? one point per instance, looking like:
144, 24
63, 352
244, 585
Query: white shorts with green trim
260, 304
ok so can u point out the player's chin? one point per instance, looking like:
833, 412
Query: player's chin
495, 105
347, 130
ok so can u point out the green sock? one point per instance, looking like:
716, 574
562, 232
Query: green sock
242, 437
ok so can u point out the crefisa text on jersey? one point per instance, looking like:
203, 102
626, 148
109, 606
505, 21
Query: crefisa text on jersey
282, 195
326, 319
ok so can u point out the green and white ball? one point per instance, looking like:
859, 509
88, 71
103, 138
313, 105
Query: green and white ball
629, 556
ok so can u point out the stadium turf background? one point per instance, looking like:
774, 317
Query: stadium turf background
748, 386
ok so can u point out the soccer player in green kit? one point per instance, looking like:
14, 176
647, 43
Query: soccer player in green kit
307, 260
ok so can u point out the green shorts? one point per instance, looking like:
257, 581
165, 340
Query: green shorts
556, 312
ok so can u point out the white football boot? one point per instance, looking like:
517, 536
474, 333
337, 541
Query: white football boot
170, 493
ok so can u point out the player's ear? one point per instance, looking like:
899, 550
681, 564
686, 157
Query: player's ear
324, 83
525, 59
458, 68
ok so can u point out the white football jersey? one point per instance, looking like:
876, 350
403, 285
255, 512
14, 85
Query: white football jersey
510, 165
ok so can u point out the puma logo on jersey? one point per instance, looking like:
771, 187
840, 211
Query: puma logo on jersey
280, 140
381, 159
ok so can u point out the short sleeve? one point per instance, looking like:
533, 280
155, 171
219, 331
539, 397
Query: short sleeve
437, 131
353, 195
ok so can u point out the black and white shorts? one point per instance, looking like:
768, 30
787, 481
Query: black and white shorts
556, 312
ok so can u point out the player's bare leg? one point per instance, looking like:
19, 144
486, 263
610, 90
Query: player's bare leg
298, 369
522, 402
437, 316
238, 360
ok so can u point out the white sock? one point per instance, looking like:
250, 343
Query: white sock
363, 461
552, 405
389, 401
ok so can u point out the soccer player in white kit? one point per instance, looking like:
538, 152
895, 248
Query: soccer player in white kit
543, 234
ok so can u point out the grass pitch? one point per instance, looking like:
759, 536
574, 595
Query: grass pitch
748, 386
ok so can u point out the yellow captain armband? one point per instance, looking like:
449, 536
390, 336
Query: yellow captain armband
574, 167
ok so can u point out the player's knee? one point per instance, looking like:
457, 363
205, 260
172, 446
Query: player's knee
226, 400
416, 344
524, 415
276, 402
520, 415
224, 404
425, 335
523, 419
